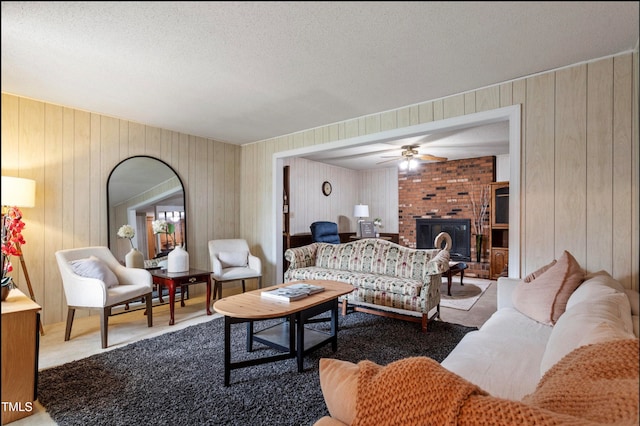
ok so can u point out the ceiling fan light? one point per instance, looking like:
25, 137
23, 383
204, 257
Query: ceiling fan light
412, 164
404, 164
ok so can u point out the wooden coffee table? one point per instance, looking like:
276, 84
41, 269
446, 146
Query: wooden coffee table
296, 341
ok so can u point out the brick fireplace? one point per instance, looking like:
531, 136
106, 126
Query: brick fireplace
441, 191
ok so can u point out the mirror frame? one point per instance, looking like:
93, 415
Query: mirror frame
111, 238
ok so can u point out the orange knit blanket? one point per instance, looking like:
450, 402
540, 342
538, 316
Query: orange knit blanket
595, 384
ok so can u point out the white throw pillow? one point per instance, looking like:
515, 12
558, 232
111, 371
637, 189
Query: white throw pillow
230, 259
583, 320
94, 267
594, 286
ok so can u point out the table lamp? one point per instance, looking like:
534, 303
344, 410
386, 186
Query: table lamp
360, 211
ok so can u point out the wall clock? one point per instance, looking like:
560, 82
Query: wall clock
326, 188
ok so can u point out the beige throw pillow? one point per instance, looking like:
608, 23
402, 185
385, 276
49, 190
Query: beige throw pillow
339, 384
545, 298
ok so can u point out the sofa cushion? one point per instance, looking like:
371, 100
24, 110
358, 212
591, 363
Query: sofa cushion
583, 324
339, 384
364, 281
545, 298
484, 357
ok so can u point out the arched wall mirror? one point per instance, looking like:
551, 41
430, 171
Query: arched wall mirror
140, 190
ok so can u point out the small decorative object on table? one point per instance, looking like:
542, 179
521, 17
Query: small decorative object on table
367, 230
377, 222
12, 239
178, 260
134, 258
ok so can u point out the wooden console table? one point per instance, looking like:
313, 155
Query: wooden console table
172, 280
20, 322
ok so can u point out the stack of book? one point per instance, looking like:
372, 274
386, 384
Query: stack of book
292, 292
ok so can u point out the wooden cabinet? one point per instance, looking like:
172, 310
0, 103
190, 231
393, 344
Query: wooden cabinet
499, 235
20, 323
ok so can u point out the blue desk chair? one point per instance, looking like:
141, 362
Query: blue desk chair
325, 232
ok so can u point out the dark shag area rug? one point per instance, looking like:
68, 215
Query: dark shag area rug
177, 378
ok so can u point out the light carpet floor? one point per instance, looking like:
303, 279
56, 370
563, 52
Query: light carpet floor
463, 297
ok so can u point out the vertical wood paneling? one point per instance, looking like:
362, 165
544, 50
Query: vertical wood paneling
551, 143
624, 163
539, 173
570, 162
70, 154
506, 94
30, 155
81, 179
488, 99
599, 208
469, 103
53, 302
453, 106
95, 194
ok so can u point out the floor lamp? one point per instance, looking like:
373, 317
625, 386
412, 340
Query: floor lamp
19, 192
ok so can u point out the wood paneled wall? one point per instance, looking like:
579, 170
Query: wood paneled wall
70, 154
377, 188
579, 172
579, 157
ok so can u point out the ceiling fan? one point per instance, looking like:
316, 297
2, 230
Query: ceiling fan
409, 157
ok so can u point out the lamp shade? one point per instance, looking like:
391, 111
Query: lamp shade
18, 192
361, 210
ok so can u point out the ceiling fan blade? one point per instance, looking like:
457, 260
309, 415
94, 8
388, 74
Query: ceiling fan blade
391, 156
429, 157
388, 161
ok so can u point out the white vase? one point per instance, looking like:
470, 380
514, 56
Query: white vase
178, 260
134, 259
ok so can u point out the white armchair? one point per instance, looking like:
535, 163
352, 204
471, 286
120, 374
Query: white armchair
232, 261
94, 279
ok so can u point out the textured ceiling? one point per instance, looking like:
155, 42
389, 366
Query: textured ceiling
245, 71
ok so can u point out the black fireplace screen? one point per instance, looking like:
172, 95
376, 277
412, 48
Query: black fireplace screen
459, 229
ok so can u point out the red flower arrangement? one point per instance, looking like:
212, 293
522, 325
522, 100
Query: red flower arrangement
12, 239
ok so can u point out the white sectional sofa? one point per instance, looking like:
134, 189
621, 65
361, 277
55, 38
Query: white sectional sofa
562, 348
510, 353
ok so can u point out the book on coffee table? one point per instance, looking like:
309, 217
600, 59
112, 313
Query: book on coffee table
284, 294
309, 288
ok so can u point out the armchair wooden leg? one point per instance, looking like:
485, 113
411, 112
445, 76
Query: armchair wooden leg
67, 333
243, 286
148, 298
104, 323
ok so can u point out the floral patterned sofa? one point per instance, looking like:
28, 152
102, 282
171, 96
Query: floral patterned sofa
389, 279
